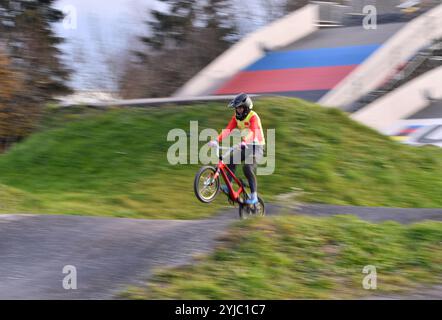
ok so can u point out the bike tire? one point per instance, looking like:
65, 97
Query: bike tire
196, 185
244, 214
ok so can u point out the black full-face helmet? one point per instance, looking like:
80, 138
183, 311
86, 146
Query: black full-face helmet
241, 100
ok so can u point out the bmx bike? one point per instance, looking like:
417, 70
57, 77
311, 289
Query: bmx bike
207, 186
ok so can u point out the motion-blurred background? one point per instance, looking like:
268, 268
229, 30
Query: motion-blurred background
315, 50
89, 91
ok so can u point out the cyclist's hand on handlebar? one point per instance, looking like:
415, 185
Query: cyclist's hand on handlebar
242, 145
213, 144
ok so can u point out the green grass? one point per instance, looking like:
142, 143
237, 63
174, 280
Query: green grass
294, 257
114, 162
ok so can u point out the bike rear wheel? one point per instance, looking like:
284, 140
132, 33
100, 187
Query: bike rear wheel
256, 210
205, 187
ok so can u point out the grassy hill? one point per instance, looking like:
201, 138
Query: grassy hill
294, 257
114, 162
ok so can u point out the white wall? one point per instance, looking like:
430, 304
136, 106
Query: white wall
429, 131
417, 34
403, 102
279, 33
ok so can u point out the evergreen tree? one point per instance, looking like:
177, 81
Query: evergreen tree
182, 40
30, 65
172, 28
25, 28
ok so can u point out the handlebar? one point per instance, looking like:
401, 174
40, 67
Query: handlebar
226, 154
229, 150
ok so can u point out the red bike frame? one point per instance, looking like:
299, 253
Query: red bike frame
224, 170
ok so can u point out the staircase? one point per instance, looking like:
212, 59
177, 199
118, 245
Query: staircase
425, 60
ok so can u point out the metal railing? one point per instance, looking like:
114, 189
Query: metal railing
152, 102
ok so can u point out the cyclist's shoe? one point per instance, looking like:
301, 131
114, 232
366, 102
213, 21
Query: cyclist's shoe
253, 200
224, 189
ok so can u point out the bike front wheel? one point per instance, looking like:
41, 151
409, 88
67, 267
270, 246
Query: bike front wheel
205, 186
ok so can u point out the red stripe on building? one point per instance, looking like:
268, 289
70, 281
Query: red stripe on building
304, 79
407, 131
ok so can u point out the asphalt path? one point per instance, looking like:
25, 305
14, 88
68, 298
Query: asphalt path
111, 253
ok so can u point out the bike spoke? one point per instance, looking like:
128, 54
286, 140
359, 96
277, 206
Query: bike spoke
207, 185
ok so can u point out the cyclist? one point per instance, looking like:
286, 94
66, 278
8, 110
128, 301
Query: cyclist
252, 144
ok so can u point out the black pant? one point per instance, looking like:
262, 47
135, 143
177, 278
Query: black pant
251, 156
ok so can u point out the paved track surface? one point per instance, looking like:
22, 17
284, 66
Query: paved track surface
111, 253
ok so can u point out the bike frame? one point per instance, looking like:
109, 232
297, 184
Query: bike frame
223, 169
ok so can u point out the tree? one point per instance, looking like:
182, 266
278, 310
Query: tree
31, 56
9, 82
12, 123
171, 29
182, 41
31, 42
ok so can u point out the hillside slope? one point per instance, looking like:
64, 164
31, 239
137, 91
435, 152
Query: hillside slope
114, 162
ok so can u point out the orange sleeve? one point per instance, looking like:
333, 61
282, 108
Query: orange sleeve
226, 132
